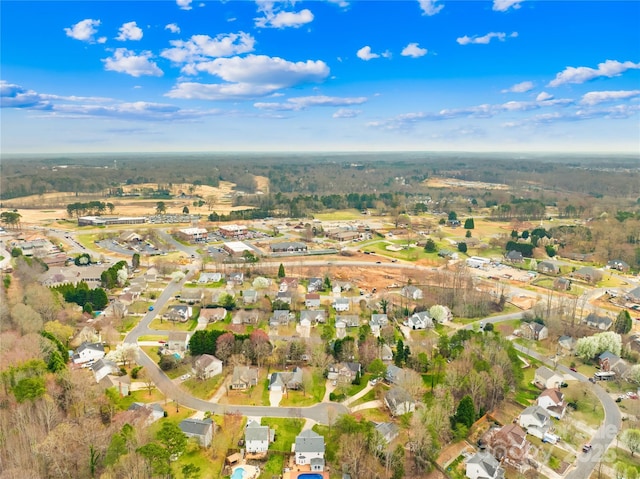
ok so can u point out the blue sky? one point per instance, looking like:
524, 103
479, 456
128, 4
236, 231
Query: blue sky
338, 75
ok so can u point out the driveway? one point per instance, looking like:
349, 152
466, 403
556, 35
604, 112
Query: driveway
274, 398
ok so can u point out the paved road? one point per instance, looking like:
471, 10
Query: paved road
321, 412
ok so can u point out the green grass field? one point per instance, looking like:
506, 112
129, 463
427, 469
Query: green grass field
286, 431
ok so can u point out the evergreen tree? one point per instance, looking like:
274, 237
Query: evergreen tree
430, 246
398, 359
469, 224
281, 273
623, 322
465, 414
462, 247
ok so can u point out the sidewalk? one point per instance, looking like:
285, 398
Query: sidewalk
351, 399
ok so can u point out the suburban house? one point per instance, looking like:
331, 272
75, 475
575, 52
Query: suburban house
178, 340
288, 284
420, 320
548, 267
386, 353
280, 317
562, 284
552, 400
244, 377
87, 352
315, 285
118, 308
588, 274
634, 295
618, 264
339, 286
393, 374
399, 401
312, 300
381, 319
546, 378
179, 312
104, 367
211, 315
350, 320
603, 323
288, 247
191, 295
309, 449
611, 362
249, 296
122, 384
533, 330
286, 380
514, 257
411, 292
284, 296
246, 316
344, 373
387, 430
536, 420
567, 344
313, 316
236, 278
342, 304
257, 437
153, 410
206, 366
200, 429
483, 465
209, 278
509, 444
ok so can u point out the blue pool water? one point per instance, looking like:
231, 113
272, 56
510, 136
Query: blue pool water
238, 473
310, 476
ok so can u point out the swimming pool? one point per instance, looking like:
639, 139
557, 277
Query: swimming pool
311, 475
238, 473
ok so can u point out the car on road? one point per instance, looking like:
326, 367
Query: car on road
573, 369
394, 260
150, 308
587, 447
592, 380
378, 262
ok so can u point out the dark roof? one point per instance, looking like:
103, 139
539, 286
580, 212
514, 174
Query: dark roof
195, 427
309, 441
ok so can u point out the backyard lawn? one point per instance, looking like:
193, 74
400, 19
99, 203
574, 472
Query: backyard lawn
286, 431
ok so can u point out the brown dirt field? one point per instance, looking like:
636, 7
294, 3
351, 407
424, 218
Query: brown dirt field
455, 183
451, 452
45, 209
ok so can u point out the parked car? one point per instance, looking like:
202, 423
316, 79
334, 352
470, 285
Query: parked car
587, 447
150, 308
573, 369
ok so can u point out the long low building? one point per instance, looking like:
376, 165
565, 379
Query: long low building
110, 220
288, 247
193, 235
236, 247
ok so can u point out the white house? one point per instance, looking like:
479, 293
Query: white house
421, 320
535, 331
103, 367
87, 352
178, 340
535, 420
257, 437
207, 366
411, 292
483, 466
386, 353
312, 300
547, 378
552, 400
341, 304
202, 430
309, 449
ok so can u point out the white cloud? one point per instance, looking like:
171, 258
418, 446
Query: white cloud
413, 50
276, 18
184, 4
609, 68
126, 61
365, 54
202, 47
485, 39
595, 97
522, 87
251, 76
172, 27
129, 31
340, 3
429, 7
302, 102
346, 113
84, 30
504, 5
15, 96
544, 96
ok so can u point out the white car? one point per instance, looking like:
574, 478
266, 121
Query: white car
184, 377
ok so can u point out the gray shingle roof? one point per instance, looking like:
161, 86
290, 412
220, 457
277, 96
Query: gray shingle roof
309, 441
195, 426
